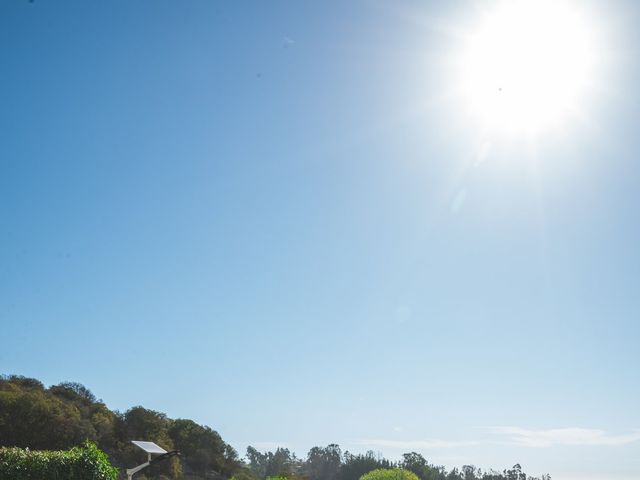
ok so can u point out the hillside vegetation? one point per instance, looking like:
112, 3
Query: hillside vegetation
65, 415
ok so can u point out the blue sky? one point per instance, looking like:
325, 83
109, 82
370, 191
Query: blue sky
273, 219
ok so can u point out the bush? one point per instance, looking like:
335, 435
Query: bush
389, 474
87, 462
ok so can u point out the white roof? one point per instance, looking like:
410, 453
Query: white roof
148, 447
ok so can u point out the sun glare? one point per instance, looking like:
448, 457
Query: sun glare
527, 66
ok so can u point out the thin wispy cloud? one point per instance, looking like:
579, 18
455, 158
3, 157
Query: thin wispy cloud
414, 444
287, 41
524, 437
564, 436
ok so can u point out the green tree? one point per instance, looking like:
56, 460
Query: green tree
257, 462
354, 466
74, 392
516, 473
389, 474
417, 464
30, 417
323, 463
139, 423
281, 463
470, 472
201, 445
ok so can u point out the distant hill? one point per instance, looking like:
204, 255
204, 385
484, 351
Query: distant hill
64, 415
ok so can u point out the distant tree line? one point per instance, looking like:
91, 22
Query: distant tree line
64, 415
330, 463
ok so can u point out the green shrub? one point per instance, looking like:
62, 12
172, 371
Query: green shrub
389, 474
87, 462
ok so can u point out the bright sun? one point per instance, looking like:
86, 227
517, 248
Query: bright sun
528, 65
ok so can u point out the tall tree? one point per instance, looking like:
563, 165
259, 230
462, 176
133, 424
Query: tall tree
417, 464
202, 445
323, 463
355, 466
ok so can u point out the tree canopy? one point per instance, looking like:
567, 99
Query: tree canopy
389, 474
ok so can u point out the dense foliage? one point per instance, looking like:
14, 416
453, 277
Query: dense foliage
65, 415
389, 474
80, 463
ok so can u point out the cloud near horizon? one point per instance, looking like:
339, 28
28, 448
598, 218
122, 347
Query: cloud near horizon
518, 436
564, 436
